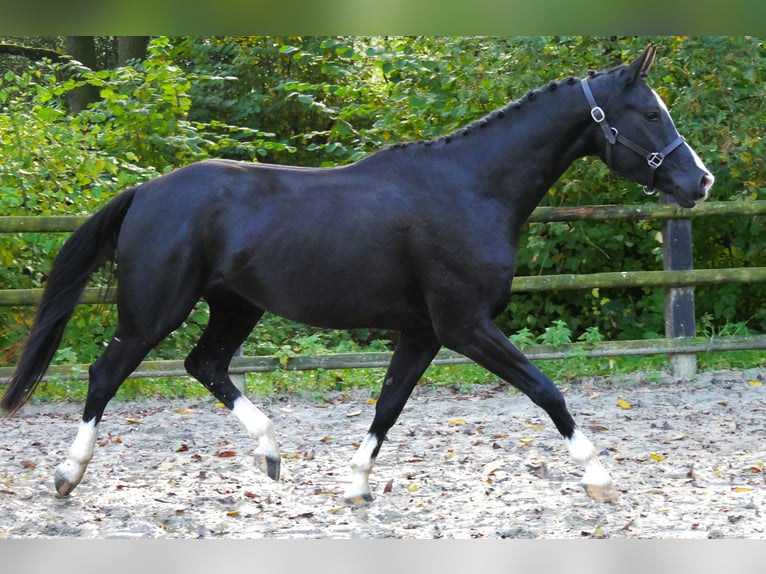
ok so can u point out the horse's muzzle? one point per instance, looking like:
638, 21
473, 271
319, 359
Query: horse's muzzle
706, 183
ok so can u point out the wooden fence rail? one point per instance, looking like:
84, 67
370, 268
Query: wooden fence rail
268, 364
523, 284
666, 279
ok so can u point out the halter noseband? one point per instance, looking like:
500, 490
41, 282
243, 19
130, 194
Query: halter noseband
653, 158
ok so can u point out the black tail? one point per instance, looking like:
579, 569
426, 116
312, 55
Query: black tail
89, 247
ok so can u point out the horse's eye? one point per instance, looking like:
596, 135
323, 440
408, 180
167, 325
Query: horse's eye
653, 116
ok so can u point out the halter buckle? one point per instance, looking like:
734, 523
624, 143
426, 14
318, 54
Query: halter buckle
597, 114
655, 160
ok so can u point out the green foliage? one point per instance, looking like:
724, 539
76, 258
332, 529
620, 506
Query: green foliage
332, 100
52, 163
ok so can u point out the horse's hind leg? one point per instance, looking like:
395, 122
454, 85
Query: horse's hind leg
121, 357
146, 316
231, 320
413, 354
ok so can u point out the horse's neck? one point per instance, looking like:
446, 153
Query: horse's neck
519, 154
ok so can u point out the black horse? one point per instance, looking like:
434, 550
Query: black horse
419, 238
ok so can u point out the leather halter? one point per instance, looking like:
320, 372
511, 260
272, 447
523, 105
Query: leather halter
653, 158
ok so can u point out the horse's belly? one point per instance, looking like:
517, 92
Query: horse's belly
337, 300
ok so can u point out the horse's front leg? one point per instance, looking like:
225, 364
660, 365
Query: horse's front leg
413, 354
487, 345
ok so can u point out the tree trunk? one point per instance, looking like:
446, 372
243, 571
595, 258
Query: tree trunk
131, 48
82, 49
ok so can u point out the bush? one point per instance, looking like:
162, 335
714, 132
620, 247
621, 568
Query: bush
332, 100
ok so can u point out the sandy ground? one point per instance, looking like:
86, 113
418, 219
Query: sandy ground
688, 458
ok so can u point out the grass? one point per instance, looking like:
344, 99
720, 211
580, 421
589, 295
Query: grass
319, 384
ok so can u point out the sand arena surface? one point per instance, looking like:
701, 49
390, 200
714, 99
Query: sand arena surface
688, 457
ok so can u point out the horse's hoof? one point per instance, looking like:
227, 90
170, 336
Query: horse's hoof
268, 464
358, 500
602, 492
63, 486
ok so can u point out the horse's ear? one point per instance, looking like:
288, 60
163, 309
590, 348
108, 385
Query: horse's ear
639, 69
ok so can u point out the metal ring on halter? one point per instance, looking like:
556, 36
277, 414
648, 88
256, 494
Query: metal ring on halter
655, 160
648, 191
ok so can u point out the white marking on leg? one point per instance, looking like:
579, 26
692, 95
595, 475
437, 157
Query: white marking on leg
70, 472
596, 480
259, 427
361, 466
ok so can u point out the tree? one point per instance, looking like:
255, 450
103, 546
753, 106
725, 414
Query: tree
131, 48
91, 53
82, 49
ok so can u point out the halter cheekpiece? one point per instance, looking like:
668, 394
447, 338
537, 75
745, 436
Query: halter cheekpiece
653, 158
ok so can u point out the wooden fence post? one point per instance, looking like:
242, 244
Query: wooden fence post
679, 301
239, 379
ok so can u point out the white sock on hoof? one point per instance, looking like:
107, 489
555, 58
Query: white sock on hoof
258, 426
361, 466
583, 452
71, 471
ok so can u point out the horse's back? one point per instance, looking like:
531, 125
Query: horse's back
330, 247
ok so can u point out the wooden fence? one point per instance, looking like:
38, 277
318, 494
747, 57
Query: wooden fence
680, 341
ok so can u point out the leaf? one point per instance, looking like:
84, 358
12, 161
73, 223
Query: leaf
182, 448
457, 422
308, 514
389, 486
225, 453
183, 411
539, 470
133, 421
28, 464
623, 404
741, 489
491, 467
657, 457
755, 383
413, 487
233, 513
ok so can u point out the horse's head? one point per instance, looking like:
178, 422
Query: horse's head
638, 139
